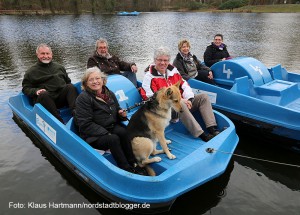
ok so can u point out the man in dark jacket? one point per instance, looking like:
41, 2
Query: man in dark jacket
48, 83
216, 52
111, 64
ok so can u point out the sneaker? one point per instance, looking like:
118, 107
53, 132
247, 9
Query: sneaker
206, 137
140, 170
136, 169
213, 131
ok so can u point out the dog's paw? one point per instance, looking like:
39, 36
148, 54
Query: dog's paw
157, 159
168, 141
171, 156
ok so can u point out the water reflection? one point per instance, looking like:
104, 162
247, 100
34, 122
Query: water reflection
271, 38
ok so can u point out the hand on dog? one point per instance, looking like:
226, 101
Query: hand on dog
123, 113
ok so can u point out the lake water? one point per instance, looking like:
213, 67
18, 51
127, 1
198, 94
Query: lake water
28, 174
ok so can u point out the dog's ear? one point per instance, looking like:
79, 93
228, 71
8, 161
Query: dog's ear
169, 92
177, 84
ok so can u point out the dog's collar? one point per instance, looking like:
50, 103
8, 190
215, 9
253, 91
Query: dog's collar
161, 116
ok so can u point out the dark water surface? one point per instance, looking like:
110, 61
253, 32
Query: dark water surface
28, 174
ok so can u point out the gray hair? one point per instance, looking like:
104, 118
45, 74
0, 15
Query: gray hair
162, 51
87, 74
42, 45
101, 40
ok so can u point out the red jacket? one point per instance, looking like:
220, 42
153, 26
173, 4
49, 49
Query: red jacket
154, 81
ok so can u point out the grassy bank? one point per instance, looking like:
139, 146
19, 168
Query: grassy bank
280, 8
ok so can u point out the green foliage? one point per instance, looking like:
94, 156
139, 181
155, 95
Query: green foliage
109, 5
233, 4
196, 5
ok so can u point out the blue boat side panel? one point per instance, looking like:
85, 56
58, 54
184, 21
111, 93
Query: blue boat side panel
225, 72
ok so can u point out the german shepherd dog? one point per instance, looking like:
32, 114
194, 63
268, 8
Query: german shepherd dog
147, 126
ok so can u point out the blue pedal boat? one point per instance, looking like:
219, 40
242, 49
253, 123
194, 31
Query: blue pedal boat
124, 13
194, 165
250, 93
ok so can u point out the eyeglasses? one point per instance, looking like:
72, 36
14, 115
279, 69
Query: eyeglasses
162, 60
94, 79
102, 47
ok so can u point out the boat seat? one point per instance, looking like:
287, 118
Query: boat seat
71, 126
241, 85
126, 93
276, 72
27, 101
224, 82
283, 92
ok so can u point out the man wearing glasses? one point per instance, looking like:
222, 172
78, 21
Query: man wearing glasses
111, 64
163, 74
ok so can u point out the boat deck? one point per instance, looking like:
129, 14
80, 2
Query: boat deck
181, 146
295, 105
277, 92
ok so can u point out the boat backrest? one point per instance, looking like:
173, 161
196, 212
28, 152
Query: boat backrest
27, 101
225, 72
72, 126
280, 73
126, 93
241, 85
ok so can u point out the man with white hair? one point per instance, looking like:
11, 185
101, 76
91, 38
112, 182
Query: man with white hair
111, 64
48, 83
163, 74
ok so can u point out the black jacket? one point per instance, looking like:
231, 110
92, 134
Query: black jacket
95, 117
109, 66
52, 77
180, 65
213, 54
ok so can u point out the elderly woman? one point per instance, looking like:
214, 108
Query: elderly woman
162, 74
189, 66
98, 116
216, 52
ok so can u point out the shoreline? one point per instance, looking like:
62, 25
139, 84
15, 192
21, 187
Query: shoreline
280, 8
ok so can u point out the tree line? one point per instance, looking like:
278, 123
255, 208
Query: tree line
103, 6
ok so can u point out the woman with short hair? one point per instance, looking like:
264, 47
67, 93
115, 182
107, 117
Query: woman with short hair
98, 116
190, 66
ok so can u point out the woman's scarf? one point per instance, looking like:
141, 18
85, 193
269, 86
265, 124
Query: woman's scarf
187, 57
189, 64
220, 47
104, 94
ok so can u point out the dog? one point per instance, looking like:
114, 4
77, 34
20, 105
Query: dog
147, 126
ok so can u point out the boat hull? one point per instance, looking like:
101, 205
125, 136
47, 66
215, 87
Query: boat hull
174, 177
260, 101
